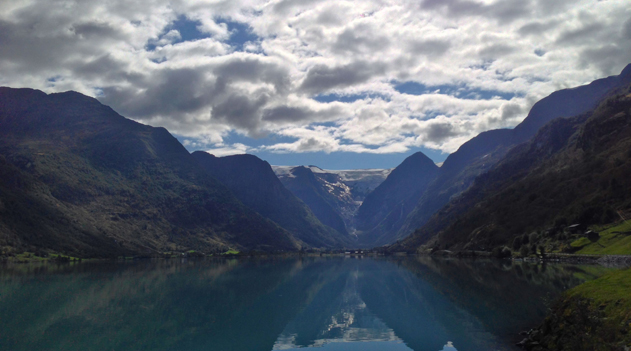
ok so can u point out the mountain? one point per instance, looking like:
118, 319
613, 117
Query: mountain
385, 209
77, 178
481, 153
327, 207
333, 195
575, 170
253, 181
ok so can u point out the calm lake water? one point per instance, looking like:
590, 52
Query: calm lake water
334, 304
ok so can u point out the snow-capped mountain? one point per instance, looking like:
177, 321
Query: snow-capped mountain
333, 195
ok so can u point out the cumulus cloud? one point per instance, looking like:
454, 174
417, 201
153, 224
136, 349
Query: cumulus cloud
321, 78
429, 47
537, 27
437, 132
325, 74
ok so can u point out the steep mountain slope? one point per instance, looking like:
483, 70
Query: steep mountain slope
255, 184
332, 194
482, 152
361, 181
326, 201
575, 170
78, 178
383, 211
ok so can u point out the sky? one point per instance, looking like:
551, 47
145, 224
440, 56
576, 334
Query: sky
333, 83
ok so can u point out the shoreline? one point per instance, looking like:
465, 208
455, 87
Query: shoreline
606, 260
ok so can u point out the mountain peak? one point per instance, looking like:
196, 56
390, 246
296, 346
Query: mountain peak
415, 162
384, 210
626, 72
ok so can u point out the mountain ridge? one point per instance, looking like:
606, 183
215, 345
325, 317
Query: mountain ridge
575, 170
253, 181
479, 154
385, 208
333, 195
103, 185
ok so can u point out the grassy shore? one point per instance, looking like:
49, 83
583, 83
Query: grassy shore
613, 240
593, 316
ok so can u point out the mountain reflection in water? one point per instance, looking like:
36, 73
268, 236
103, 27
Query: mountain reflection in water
278, 304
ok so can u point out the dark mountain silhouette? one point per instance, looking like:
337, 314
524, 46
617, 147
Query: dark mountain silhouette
384, 210
482, 152
78, 178
575, 170
253, 181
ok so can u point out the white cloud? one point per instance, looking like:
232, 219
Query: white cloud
129, 55
221, 149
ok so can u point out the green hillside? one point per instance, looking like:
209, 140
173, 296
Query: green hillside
593, 316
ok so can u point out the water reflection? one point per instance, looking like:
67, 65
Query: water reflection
282, 304
337, 314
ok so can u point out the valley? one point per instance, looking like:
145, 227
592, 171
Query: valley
115, 187
79, 181
334, 194
341, 175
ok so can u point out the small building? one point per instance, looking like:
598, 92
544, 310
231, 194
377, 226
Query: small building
575, 228
592, 235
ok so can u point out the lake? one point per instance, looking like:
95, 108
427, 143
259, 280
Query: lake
334, 304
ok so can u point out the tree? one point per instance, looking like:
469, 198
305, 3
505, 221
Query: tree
524, 251
516, 243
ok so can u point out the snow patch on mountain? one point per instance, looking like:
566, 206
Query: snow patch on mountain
348, 187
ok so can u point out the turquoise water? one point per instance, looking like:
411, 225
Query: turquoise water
332, 304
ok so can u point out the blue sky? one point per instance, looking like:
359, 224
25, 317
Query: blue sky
334, 160
335, 83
